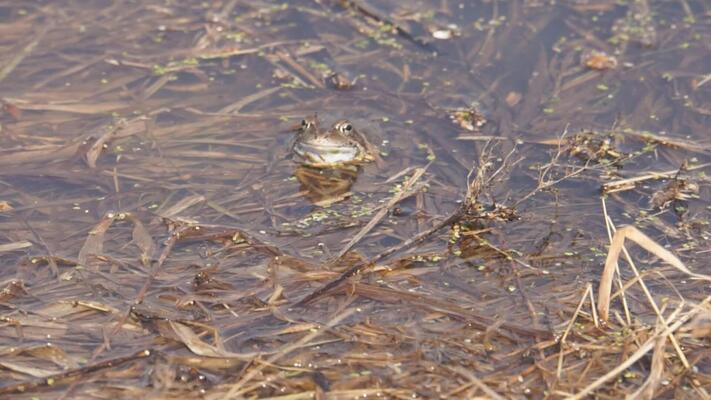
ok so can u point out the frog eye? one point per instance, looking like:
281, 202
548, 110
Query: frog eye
348, 128
307, 124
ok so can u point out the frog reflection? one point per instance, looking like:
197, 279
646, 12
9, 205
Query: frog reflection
325, 186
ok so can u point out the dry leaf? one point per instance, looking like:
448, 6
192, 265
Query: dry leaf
513, 98
5, 206
599, 60
142, 238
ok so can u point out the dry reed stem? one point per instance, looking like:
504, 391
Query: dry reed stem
74, 374
593, 309
611, 265
646, 391
650, 137
618, 277
616, 246
22, 244
641, 352
344, 394
629, 183
588, 290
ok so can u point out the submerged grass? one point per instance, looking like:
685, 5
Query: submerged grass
158, 242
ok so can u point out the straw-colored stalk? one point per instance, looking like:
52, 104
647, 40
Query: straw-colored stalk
616, 246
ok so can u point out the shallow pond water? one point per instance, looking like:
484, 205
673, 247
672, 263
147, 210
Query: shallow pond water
149, 200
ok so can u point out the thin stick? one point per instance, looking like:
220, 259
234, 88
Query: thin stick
26, 51
375, 15
588, 289
455, 216
404, 193
629, 183
592, 307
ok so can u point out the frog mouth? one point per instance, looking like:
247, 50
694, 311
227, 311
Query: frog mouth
326, 153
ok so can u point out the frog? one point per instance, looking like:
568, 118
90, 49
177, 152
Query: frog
341, 145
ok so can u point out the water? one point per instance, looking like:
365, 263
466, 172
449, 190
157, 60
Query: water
195, 104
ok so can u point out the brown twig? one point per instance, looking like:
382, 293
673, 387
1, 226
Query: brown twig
376, 16
630, 183
454, 217
544, 181
474, 189
62, 377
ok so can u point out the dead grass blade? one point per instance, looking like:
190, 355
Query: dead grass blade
609, 229
49, 154
27, 370
94, 244
111, 131
616, 246
646, 391
23, 244
641, 352
77, 108
142, 238
26, 51
588, 290
181, 206
197, 346
237, 106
